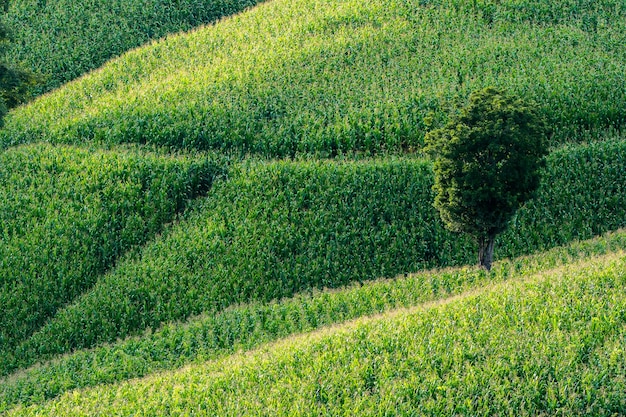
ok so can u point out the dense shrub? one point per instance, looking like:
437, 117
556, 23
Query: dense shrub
68, 214
354, 76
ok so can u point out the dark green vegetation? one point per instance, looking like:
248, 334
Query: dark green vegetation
312, 79
14, 82
63, 39
251, 325
272, 230
487, 162
288, 77
67, 215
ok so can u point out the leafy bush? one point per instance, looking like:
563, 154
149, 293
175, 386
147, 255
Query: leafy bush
287, 78
487, 162
64, 39
68, 214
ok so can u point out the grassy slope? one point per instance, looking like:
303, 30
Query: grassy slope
328, 77
384, 69
247, 326
548, 343
64, 39
68, 214
276, 229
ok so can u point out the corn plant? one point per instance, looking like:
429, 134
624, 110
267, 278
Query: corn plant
322, 77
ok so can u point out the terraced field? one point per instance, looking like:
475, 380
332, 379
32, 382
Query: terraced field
238, 219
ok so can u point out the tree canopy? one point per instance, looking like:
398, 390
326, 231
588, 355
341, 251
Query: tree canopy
487, 162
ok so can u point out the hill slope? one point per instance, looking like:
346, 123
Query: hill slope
548, 343
275, 229
64, 39
250, 325
328, 77
68, 214
89, 253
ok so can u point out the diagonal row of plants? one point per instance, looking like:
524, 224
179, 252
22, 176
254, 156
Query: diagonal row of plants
276, 229
209, 337
68, 214
327, 77
540, 345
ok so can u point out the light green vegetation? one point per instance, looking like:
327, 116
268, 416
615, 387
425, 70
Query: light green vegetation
63, 39
551, 343
255, 258
251, 325
275, 229
67, 215
330, 77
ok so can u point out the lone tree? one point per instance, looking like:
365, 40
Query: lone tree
486, 164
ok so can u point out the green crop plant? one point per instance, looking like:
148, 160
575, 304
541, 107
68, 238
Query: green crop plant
68, 214
212, 336
279, 228
269, 231
323, 77
65, 39
546, 344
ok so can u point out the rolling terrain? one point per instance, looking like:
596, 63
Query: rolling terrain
238, 219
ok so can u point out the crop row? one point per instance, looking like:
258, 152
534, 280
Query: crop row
550, 344
276, 229
64, 39
67, 215
209, 337
325, 77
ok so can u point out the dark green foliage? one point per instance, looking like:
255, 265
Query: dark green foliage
15, 83
486, 164
284, 227
583, 194
68, 214
63, 39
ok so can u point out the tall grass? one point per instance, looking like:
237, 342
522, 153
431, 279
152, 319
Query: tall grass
327, 77
551, 344
247, 326
64, 39
275, 229
68, 214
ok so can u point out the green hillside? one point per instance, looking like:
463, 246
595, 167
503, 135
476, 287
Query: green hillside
542, 343
64, 39
274, 229
68, 214
328, 77
198, 199
251, 325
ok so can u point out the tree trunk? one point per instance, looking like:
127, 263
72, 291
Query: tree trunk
485, 251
